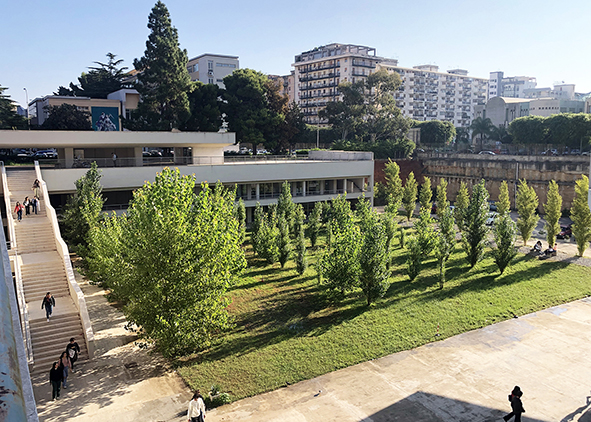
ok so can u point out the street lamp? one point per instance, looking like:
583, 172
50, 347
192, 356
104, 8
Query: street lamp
27, 96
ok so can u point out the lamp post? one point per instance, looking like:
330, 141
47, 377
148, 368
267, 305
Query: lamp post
28, 120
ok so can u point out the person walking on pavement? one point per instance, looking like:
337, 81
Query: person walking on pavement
73, 349
27, 205
35, 204
18, 209
114, 156
516, 405
36, 186
196, 412
55, 379
48, 303
65, 364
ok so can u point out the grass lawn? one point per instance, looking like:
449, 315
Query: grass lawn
288, 329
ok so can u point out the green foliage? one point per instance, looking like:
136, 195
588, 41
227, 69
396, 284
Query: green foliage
402, 237
283, 242
409, 195
205, 108
298, 219
461, 207
425, 232
426, 194
394, 188
83, 209
315, 223
581, 215
503, 204
390, 227
268, 238
340, 212
66, 117
382, 148
553, 210
414, 258
9, 119
436, 132
500, 134
257, 223
373, 260
527, 203
99, 81
171, 260
445, 242
363, 212
240, 215
285, 207
569, 129
441, 197
163, 79
475, 231
528, 130
301, 259
482, 127
504, 231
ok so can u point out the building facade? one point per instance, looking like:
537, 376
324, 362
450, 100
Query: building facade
509, 87
425, 93
104, 114
212, 68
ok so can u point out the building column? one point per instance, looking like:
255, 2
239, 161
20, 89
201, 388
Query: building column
344, 185
321, 187
248, 191
335, 186
258, 191
139, 156
178, 155
69, 156
303, 188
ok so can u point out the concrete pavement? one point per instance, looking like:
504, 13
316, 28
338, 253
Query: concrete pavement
464, 378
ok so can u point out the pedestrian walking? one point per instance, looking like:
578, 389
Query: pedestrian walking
27, 205
36, 187
73, 349
196, 412
55, 379
18, 209
65, 364
516, 405
114, 156
35, 204
48, 303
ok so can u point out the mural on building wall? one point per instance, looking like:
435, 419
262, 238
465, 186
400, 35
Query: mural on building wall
105, 119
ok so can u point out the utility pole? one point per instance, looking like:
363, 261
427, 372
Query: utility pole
28, 120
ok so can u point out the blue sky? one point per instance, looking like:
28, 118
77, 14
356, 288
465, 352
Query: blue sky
49, 43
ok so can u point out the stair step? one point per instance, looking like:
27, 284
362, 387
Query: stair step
65, 318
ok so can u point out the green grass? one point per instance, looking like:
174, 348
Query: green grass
289, 329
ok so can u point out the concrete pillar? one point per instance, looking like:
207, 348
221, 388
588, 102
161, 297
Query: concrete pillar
178, 155
335, 185
303, 188
248, 191
69, 156
344, 185
139, 156
258, 191
321, 187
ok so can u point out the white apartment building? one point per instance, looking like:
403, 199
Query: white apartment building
425, 93
510, 87
212, 68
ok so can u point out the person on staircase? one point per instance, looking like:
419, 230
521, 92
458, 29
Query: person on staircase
18, 209
36, 186
27, 205
35, 204
55, 379
65, 364
48, 303
73, 349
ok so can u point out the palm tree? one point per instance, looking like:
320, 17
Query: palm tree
500, 134
481, 127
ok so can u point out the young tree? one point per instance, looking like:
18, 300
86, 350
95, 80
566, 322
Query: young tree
340, 212
414, 258
268, 238
66, 117
445, 242
441, 197
240, 214
402, 237
436, 132
475, 230
285, 205
163, 79
553, 210
257, 223
363, 212
283, 242
176, 254
581, 215
504, 230
205, 109
83, 209
374, 258
390, 226
393, 187
301, 260
409, 195
426, 194
315, 223
527, 203
425, 232
461, 207
503, 204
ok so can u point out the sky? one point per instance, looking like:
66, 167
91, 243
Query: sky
45, 44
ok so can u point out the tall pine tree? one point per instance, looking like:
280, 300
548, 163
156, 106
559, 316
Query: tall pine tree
163, 79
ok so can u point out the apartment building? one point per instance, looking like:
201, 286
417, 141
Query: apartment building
425, 93
510, 87
286, 85
212, 68
104, 114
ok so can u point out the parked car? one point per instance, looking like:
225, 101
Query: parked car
491, 218
550, 152
565, 232
46, 153
486, 153
492, 205
575, 151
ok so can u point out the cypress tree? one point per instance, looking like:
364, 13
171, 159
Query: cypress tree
527, 203
315, 223
581, 215
475, 230
503, 204
409, 195
462, 202
426, 194
393, 187
553, 210
441, 198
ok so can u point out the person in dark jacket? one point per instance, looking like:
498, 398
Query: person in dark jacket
516, 405
73, 349
56, 375
48, 303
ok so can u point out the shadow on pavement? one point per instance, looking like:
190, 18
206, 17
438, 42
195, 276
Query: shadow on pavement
584, 411
426, 407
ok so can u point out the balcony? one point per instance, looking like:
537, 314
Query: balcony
313, 78
364, 64
318, 86
308, 69
356, 73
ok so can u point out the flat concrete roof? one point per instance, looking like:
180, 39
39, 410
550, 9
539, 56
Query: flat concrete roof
88, 139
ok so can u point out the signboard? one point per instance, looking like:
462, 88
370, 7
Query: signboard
105, 119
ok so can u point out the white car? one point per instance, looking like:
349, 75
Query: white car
491, 218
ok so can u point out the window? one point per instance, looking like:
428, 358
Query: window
233, 66
210, 64
210, 80
219, 80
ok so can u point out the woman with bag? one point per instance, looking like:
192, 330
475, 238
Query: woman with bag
65, 364
19, 211
196, 412
27, 205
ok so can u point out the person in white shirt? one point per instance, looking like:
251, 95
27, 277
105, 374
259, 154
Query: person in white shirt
196, 412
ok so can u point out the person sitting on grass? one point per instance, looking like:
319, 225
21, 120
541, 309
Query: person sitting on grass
537, 247
551, 251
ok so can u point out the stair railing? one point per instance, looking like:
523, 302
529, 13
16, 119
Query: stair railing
62, 250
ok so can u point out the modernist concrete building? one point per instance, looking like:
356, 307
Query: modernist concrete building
212, 68
100, 110
322, 176
425, 93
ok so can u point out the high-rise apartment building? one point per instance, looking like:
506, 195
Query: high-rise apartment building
212, 68
425, 93
510, 87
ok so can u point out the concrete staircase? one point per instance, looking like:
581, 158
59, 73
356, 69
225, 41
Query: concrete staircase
42, 271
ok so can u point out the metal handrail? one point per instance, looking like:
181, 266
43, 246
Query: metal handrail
8, 205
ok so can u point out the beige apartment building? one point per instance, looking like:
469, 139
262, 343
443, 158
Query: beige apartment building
425, 93
212, 68
104, 114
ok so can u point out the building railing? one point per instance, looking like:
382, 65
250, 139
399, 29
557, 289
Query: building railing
63, 252
307, 69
